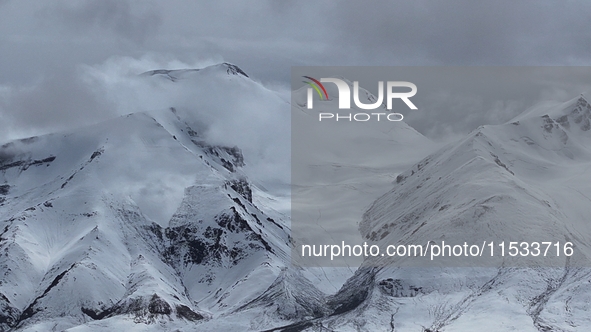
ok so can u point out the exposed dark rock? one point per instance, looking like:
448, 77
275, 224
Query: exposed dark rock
26, 164
11, 165
563, 121
353, 293
158, 306
549, 124
169, 74
187, 245
8, 314
144, 309
98, 315
400, 178
237, 201
182, 311
242, 187
68, 180
31, 309
581, 114
236, 153
398, 288
29, 140
233, 222
4, 189
195, 244
273, 221
229, 157
97, 153
296, 327
40, 162
500, 163
234, 70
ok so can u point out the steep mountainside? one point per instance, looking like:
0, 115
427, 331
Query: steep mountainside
526, 180
141, 220
152, 222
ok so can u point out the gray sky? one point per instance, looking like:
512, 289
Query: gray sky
46, 45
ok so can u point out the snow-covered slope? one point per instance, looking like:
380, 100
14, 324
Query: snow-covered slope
526, 180
520, 182
141, 221
338, 170
152, 221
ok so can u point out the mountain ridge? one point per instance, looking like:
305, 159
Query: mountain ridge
519, 181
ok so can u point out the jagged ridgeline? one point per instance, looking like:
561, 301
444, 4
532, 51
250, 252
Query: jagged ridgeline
142, 221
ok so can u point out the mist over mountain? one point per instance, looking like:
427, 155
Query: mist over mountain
150, 217
525, 180
175, 216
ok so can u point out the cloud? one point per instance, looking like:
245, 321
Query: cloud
121, 17
55, 102
462, 32
226, 110
43, 40
456, 100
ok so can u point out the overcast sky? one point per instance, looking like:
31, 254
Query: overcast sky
47, 46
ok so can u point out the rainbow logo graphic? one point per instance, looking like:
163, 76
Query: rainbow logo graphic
317, 86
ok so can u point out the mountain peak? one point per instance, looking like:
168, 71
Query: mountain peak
233, 69
582, 102
577, 113
578, 108
176, 74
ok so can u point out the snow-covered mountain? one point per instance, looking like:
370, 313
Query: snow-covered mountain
141, 222
526, 180
166, 220
339, 168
